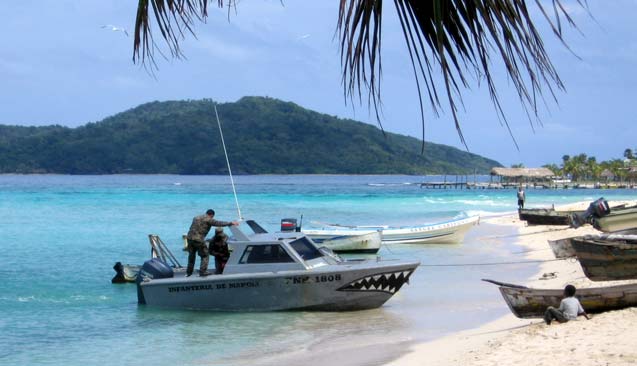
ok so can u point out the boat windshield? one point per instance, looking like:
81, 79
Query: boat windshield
272, 253
305, 248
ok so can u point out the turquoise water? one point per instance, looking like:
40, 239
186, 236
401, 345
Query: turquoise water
61, 235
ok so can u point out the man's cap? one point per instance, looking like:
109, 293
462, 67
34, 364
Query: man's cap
210, 212
219, 230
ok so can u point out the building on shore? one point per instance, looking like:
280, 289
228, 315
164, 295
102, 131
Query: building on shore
523, 176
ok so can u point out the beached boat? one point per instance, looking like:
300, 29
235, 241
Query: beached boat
526, 302
276, 271
545, 216
446, 232
617, 219
562, 248
128, 272
607, 259
367, 243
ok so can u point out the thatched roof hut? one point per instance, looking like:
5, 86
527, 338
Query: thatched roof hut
528, 173
608, 174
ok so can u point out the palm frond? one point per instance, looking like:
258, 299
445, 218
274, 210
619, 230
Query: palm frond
460, 37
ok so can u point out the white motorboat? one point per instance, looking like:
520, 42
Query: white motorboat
445, 232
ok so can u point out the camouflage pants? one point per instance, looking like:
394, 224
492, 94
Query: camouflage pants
554, 314
197, 247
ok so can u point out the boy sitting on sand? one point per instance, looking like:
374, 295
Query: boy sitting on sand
569, 309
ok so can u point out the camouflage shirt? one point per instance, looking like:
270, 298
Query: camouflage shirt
201, 226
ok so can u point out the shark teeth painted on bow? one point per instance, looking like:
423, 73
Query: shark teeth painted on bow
389, 282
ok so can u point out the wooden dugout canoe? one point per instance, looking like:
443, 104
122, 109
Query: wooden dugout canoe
525, 302
607, 259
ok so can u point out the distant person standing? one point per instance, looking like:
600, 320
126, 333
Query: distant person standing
521, 198
569, 309
196, 240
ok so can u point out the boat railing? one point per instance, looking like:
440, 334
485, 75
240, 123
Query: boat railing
161, 251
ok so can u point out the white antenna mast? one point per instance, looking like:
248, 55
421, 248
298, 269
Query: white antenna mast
228, 163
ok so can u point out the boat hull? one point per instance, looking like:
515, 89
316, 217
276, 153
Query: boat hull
532, 302
622, 219
542, 216
364, 243
348, 287
607, 260
451, 232
562, 248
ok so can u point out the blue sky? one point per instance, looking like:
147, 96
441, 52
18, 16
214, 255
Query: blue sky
59, 66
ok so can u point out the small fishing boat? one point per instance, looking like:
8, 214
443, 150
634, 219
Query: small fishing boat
364, 242
368, 243
446, 232
276, 271
607, 259
617, 219
526, 302
562, 248
128, 272
545, 216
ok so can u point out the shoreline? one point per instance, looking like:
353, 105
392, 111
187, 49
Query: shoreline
513, 341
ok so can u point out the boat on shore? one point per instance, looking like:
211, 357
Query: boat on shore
617, 219
525, 302
276, 271
607, 259
562, 248
367, 243
446, 232
545, 216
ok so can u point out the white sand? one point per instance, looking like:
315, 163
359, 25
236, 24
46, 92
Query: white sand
607, 339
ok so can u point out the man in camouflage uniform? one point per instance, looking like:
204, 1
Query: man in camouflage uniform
196, 240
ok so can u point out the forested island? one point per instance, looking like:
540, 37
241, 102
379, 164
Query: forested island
262, 135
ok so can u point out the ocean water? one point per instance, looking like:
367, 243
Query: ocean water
60, 236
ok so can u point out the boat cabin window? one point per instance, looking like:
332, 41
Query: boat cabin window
306, 250
272, 253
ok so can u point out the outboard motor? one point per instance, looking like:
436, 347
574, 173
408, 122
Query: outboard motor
152, 269
598, 208
288, 225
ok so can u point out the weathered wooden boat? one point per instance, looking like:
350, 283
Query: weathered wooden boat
562, 248
276, 271
158, 249
526, 302
446, 232
617, 219
607, 259
545, 216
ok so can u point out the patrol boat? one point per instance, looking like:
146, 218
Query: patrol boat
276, 271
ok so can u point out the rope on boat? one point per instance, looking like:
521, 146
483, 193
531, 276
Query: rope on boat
491, 263
236, 200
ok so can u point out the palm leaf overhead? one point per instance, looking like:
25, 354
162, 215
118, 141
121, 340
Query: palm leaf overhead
457, 38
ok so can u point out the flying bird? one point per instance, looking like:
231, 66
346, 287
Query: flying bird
114, 28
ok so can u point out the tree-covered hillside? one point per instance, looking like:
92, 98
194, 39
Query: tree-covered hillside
262, 135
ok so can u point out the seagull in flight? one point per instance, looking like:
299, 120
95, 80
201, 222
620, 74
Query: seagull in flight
114, 28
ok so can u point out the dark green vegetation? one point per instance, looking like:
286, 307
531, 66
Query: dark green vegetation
263, 136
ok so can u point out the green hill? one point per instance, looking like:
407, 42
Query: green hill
262, 135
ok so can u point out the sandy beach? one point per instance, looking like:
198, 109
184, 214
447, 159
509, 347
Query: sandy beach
606, 339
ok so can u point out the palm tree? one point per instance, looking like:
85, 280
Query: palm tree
459, 36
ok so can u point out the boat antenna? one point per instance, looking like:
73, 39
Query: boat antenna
225, 152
